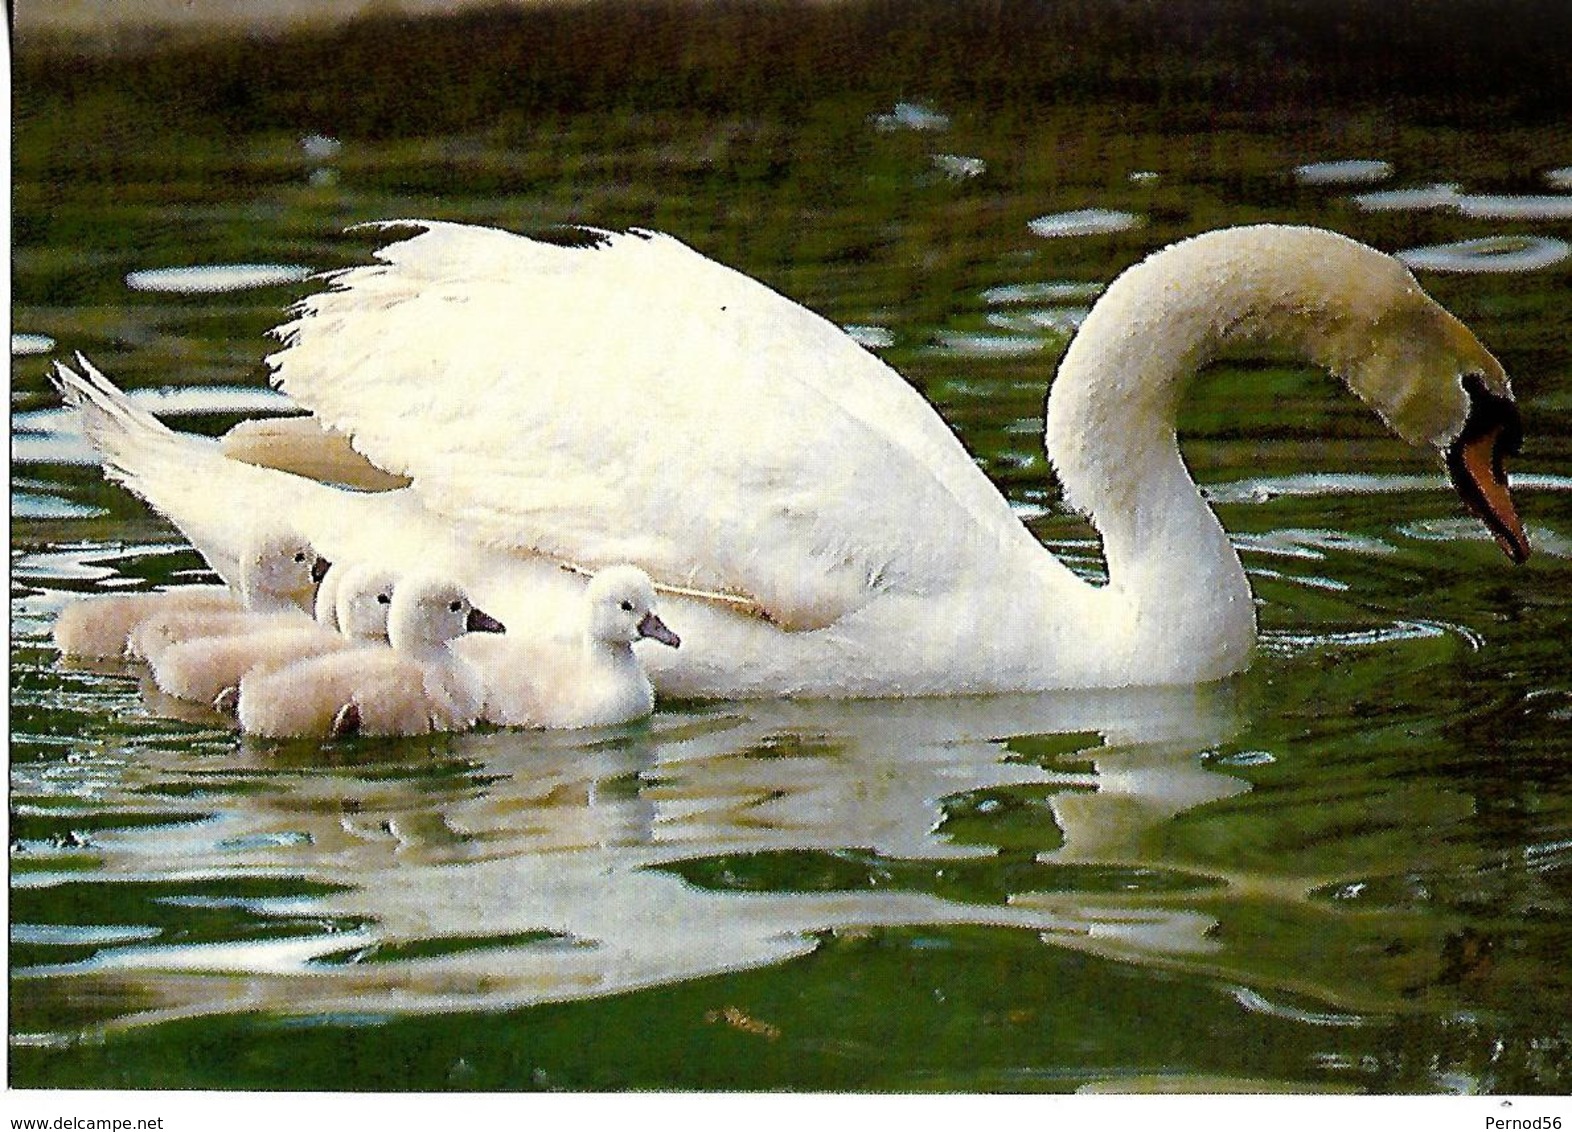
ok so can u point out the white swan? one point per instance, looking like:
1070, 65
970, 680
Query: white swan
414, 685
207, 668
725, 439
277, 571
588, 679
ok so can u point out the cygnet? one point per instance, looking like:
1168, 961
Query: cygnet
413, 686
589, 679
208, 669
279, 572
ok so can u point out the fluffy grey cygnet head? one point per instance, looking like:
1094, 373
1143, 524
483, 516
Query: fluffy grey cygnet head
280, 568
427, 613
364, 601
621, 603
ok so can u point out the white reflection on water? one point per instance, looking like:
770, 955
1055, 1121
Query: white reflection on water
1065, 291
1060, 320
869, 336
1398, 200
1084, 222
1358, 172
1259, 1004
1264, 489
25, 345
959, 168
566, 834
320, 147
1489, 254
1310, 544
911, 116
215, 278
1278, 642
73, 934
1516, 207
1544, 540
972, 345
45, 505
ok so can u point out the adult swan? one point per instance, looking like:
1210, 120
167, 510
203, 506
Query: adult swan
624, 399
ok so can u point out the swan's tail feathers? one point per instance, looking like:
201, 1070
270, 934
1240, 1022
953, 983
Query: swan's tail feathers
166, 469
138, 450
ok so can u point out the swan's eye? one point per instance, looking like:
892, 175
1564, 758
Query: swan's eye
454, 607
300, 556
384, 599
627, 607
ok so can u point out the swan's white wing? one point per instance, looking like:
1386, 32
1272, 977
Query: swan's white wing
630, 400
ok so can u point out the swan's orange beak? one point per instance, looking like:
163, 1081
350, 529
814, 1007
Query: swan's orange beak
1476, 462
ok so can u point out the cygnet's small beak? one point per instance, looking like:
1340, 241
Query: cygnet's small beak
654, 628
319, 569
1475, 462
479, 622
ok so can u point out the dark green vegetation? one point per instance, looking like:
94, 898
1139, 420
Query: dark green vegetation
393, 76
1349, 869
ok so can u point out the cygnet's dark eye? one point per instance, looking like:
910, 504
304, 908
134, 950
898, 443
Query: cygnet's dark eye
627, 607
384, 599
456, 606
300, 556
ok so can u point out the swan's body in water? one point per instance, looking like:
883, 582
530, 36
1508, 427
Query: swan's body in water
276, 573
414, 685
590, 678
727, 440
208, 668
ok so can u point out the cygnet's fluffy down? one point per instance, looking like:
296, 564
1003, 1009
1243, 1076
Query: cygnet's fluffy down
589, 679
279, 574
208, 669
99, 627
413, 686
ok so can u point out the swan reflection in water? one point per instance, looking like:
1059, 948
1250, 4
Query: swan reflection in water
591, 863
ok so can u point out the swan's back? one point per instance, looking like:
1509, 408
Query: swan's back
631, 400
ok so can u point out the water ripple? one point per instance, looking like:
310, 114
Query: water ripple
1257, 1003
212, 279
1342, 172
1264, 489
1489, 255
1286, 642
1084, 222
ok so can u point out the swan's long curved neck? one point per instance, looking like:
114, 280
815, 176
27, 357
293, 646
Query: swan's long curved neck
1326, 299
1176, 586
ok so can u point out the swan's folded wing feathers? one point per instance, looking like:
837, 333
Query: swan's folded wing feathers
566, 400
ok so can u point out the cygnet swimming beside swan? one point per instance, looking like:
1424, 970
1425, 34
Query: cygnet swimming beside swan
847, 541
208, 668
587, 678
414, 685
277, 571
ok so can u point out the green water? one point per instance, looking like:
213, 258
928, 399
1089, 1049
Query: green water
1349, 869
